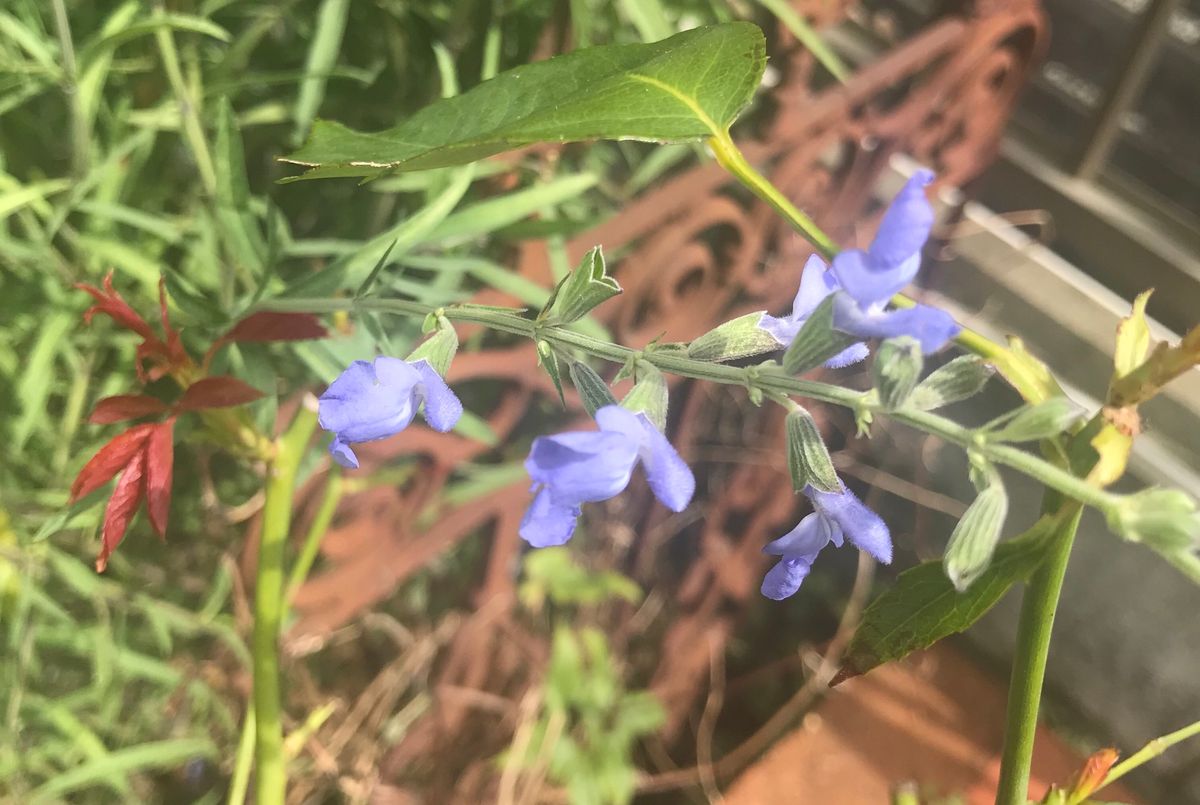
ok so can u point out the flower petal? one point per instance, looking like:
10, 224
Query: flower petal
581, 467
397, 375
546, 523
670, 478
849, 356
816, 283
342, 453
783, 580
906, 224
929, 325
782, 330
807, 538
370, 401
869, 281
442, 406
863, 527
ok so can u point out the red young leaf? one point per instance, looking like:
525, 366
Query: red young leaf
162, 356
1091, 776
268, 326
110, 302
125, 406
217, 392
160, 460
121, 507
109, 460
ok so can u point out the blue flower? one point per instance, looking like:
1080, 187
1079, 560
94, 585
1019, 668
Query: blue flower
371, 401
574, 468
863, 280
869, 277
836, 516
816, 283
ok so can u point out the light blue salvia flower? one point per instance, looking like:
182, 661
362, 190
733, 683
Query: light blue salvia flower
863, 280
816, 283
836, 516
870, 277
371, 401
570, 469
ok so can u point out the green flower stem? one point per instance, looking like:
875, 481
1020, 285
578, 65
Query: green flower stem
270, 783
733, 160
767, 378
1038, 605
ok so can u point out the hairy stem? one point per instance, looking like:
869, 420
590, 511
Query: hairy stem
1038, 605
270, 782
766, 377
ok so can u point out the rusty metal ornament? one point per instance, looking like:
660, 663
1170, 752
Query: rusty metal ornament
696, 252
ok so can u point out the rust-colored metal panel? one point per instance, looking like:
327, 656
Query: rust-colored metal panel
693, 251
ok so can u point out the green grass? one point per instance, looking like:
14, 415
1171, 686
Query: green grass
141, 138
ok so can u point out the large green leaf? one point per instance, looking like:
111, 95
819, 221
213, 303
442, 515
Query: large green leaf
922, 606
687, 87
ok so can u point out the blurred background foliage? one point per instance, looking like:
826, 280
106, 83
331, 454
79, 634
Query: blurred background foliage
141, 137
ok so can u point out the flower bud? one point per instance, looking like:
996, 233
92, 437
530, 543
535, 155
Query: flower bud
897, 369
648, 395
1035, 422
959, 379
439, 349
808, 458
1164, 519
975, 537
737, 338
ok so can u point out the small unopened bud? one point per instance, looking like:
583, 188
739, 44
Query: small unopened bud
976, 535
1164, 519
898, 363
1035, 422
808, 458
439, 349
959, 379
648, 395
737, 338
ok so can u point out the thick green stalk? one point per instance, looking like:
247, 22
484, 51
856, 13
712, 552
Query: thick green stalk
1038, 605
270, 784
